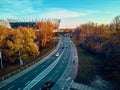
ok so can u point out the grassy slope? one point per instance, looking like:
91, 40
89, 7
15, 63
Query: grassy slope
88, 67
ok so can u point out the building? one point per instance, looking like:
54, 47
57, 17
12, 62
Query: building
5, 23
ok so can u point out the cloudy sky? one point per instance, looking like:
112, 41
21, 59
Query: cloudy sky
71, 12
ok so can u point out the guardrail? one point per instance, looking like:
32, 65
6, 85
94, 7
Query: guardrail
43, 73
21, 68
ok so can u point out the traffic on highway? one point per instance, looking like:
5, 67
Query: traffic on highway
48, 74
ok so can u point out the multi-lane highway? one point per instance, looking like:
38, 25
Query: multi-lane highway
51, 69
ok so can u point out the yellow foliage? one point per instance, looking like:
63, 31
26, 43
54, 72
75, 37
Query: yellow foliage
13, 40
45, 33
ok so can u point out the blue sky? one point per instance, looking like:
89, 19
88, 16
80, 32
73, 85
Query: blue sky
71, 12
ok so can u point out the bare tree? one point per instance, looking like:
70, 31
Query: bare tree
116, 23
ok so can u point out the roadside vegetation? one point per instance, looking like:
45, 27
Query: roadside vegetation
89, 65
25, 43
101, 45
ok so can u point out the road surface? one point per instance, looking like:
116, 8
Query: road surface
55, 68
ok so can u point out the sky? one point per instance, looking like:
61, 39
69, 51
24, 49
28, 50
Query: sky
71, 12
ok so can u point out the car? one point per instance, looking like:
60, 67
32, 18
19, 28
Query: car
57, 54
66, 46
48, 85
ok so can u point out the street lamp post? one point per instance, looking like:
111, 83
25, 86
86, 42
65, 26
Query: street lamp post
1, 59
54, 38
20, 60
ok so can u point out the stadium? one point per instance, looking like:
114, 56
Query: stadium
12, 23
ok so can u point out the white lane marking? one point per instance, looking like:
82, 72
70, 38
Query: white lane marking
68, 88
10, 81
25, 78
63, 85
42, 74
10, 87
62, 88
27, 83
71, 82
54, 75
3, 84
19, 89
36, 71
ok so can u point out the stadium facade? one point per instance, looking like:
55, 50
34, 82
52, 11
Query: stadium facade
11, 23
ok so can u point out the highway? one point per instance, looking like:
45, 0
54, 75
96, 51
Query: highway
50, 70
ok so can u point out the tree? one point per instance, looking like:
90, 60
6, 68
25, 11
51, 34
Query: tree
13, 40
116, 23
45, 33
28, 48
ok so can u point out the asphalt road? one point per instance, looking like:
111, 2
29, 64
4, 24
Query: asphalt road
50, 70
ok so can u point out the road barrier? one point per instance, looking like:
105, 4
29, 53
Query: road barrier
21, 68
29, 64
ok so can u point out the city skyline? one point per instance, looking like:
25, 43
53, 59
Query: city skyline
71, 12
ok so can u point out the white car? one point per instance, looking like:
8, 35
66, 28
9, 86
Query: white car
57, 54
66, 46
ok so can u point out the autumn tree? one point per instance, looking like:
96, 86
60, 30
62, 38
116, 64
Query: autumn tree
28, 47
103, 41
45, 33
13, 40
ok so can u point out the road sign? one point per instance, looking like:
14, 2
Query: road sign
1, 60
21, 62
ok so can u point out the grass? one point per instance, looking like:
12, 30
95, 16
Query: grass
89, 65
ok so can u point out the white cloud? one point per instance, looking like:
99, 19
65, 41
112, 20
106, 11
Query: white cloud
61, 13
19, 8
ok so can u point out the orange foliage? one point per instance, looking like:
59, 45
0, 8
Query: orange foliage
45, 33
11, 40
55, 25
